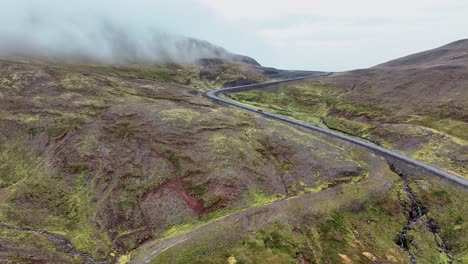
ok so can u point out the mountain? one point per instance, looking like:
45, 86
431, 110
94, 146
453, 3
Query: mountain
429, 83
453, 55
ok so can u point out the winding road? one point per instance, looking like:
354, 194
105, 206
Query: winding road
214, 95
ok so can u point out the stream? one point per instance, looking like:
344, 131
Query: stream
59, 242
416, 211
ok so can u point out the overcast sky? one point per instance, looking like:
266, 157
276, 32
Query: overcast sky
327, 35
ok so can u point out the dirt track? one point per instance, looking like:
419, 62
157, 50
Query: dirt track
228, 229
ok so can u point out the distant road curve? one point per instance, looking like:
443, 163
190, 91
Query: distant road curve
214, 95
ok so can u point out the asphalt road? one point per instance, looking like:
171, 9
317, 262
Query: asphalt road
214, 95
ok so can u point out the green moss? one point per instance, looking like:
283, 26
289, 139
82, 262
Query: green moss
48, 203
257, 197
185, 115
45, 201
326, 238
26, 241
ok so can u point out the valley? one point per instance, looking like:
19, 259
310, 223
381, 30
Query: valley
132, 164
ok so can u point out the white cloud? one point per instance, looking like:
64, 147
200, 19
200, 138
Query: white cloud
307, 34
342, 34
262, 9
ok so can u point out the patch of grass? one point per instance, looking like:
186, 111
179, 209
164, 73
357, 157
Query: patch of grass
214, 200
23, 118
32, 131
180, 229
174, 159
16, 163
356, 109
229, 146
198, 191
325, 238
64, 124
452, 127
185, 115
445, 153
45, 201
300, 188
88, 145
313, 103
257, 197
77, 168
349, 127
123, 130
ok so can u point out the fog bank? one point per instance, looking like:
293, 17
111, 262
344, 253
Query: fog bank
109, 32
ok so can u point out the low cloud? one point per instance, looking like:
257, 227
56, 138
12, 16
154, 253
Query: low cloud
74, 33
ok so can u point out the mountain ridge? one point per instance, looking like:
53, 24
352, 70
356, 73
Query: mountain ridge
454, 52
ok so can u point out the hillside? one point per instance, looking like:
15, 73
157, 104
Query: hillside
453, 55
416, 104
117, 163
429, 83
109, 161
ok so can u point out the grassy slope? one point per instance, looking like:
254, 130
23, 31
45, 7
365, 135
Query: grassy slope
440, 141
362, 233
94, 153
355, 230
110, 157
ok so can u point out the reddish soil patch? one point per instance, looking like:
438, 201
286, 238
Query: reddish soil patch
195, 204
